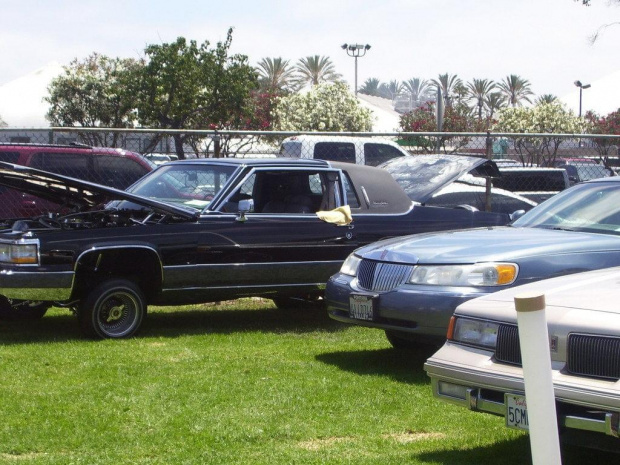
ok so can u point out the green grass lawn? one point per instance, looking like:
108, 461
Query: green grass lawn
239, 382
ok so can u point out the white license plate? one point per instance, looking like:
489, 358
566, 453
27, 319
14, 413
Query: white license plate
516, 411
361, 307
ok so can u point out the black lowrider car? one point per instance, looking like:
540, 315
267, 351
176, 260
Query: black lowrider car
198, 231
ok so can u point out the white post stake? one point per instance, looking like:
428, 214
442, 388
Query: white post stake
534, 341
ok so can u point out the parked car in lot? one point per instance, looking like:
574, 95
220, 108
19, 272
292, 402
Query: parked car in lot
361, 150
199, 231
447, 180
410, 286
112, 167
532, 182
479, 367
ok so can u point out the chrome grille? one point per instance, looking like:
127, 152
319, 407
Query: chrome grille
381, 276
508, 349
597, 356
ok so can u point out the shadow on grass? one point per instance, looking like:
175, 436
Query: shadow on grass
514, 452
174, 323
403, 366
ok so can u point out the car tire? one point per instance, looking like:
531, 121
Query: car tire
400, 342
115, 309
21, 310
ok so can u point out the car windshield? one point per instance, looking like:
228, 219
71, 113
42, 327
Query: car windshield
191, 185
593, 207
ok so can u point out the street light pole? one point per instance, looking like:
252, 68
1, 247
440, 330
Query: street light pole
356, 51
581, 87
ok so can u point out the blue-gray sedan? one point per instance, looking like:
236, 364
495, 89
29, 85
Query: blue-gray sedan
410, 286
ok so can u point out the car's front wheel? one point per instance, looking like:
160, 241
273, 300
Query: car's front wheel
114, 309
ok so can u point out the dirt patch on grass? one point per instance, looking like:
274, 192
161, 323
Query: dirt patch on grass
412, 436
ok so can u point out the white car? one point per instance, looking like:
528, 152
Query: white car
479, 366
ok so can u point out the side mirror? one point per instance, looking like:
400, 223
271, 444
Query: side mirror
516, 215
245, 206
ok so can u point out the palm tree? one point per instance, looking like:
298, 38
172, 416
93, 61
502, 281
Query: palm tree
478, 90
315, 70
493, 102
390, 90
275, 74
546, 98
418, 89
370, 87
448, 84
516, 90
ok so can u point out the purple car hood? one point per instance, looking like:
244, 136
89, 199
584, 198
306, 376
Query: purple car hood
488, 244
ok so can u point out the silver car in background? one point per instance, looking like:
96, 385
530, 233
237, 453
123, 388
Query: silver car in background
479, 366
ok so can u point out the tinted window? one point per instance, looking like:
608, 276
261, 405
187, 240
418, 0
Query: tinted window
119, 172
9, 157
335, 151
67, 164
533, 180
375, 154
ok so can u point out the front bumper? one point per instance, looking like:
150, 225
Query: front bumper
417, 310
40, 286
469, 377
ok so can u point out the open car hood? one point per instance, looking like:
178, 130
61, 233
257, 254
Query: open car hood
421, 176
76, 193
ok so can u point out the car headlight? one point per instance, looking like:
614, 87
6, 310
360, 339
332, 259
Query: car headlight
19, 253
350, 265
480, 274
476, 332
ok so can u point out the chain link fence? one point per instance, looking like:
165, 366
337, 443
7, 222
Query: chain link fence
533, 165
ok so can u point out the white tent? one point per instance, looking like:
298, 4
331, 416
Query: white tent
602, 97
21, 100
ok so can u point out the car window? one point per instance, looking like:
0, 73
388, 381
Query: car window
291, 149
189, 185
68, 164
454, 199
586, 207
352, 199
9, 157
335, 151
531, 180
375, 154
119, 172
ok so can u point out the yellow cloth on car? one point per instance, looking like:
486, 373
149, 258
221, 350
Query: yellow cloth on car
340, 215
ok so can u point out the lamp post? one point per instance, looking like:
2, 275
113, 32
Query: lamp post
356, 51
581, 87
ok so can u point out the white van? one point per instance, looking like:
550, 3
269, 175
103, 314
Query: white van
361, 150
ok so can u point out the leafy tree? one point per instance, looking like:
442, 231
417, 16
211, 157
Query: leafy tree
544, 118
187, 86
96, 92
275, 75
314, 70
326, 107
423, 119
516, 90
370, 87
607, 125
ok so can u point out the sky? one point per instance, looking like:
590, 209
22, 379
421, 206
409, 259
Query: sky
543, 41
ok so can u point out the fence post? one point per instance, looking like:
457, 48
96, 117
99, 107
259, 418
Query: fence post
216, 146
50, 137
539, 394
